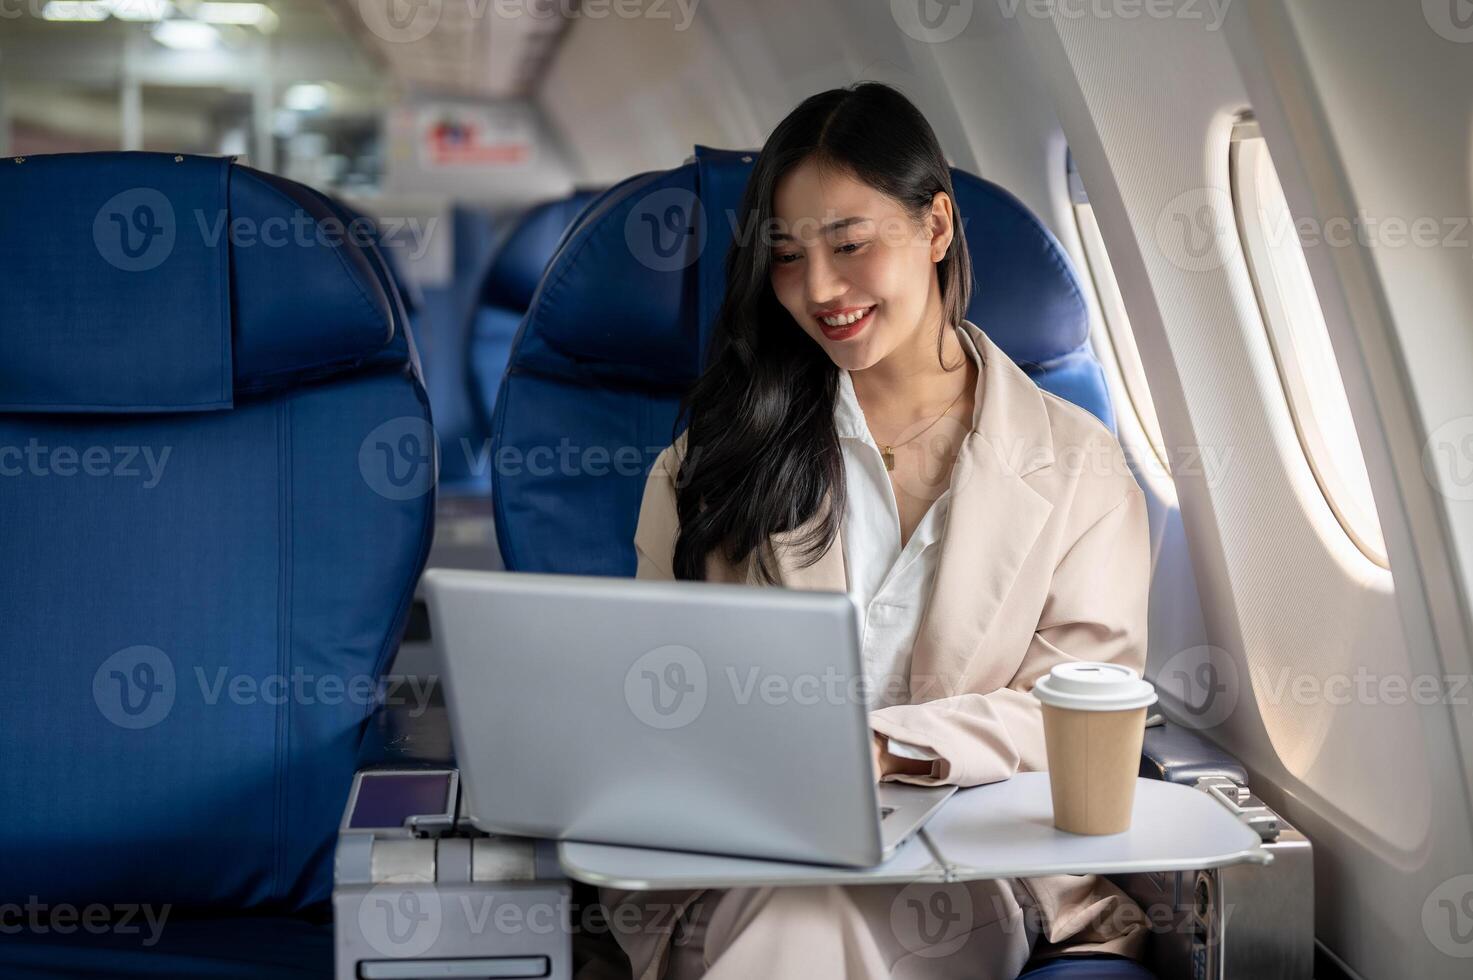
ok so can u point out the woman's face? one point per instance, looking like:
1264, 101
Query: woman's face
856, 272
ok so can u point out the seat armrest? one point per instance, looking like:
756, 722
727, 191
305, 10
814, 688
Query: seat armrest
1177, 754
1271, 904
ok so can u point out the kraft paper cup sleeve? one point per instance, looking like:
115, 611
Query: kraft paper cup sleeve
1094, 717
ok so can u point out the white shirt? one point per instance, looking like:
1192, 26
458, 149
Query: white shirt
891, 583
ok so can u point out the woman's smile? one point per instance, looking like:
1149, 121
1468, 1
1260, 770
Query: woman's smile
844, 322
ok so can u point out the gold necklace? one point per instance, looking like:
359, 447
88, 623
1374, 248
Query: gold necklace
887, 452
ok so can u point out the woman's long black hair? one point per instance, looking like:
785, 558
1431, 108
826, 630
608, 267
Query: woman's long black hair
762, 456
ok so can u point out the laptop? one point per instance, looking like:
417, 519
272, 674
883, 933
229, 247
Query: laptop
691, 716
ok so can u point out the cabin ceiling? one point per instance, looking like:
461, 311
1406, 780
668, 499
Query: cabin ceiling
475, 49
480, 49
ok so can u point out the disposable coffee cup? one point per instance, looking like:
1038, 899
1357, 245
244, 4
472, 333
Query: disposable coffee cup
1094, 718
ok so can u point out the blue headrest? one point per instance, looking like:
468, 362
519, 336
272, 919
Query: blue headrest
404, 287
1025, 293
403, 298
520, 260
617, 304
150, 282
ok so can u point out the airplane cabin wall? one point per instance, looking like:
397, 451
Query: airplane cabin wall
627, 95
1290, 603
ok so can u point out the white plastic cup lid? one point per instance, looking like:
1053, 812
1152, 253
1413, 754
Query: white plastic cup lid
1088, 686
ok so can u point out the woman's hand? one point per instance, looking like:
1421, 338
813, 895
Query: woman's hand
887, 764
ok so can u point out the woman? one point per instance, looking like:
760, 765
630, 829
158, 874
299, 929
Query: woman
854, 432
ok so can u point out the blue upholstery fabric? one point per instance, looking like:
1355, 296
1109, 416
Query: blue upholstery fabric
522, 257
405, 299
617, 330
650, 338
1100, 967
490, 348
459, 421
1026, 295
87, 329
608, 399
309, 302
507, 289
198, 605
162, 288
723, 179
254, 948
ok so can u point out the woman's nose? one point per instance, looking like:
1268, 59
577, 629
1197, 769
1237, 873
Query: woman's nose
823, 283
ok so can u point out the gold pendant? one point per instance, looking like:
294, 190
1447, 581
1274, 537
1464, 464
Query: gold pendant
887, 453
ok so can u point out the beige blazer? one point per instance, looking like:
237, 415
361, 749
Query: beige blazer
1045, 558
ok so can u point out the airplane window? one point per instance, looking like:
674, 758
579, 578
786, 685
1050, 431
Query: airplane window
1119, 338
1301, 342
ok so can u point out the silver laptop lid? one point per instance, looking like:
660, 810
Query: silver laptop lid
695, 716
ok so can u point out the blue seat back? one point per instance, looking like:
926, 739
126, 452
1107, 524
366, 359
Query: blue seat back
443, 326
216, 495
620, 323
507, 289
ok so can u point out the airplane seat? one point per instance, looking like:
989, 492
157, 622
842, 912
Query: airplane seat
507, 288
618, 329
443, 324
216, 496
595, 372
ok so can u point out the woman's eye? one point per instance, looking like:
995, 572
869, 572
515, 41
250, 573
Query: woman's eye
785, 258
849, 248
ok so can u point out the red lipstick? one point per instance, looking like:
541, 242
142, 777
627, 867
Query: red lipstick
848, 330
